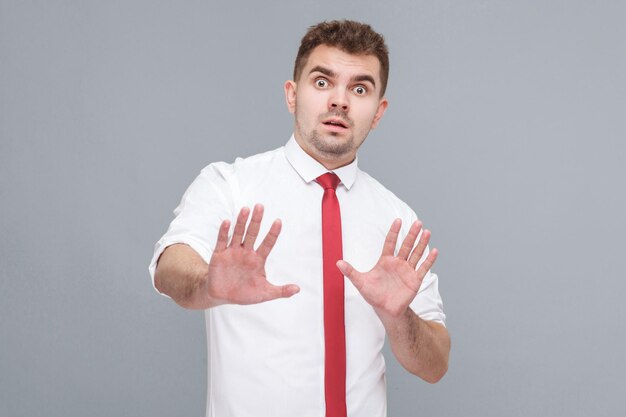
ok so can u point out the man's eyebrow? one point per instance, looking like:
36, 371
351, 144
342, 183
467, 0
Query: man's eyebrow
364, 77
327, 72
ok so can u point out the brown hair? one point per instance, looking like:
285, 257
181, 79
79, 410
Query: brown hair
349, 36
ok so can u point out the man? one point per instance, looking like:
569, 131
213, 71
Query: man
287, 334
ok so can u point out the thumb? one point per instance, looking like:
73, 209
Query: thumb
273, 292
352, 274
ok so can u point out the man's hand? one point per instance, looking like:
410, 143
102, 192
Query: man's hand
393, 282
237, 271
422, 347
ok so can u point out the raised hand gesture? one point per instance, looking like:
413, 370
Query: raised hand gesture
392, 284
237, 271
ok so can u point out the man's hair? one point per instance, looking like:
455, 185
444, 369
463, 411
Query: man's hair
352, 37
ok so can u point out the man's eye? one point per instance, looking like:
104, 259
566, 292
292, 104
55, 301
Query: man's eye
359, 90
321, 83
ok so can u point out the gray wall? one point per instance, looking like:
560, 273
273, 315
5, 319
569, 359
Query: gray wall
505, 133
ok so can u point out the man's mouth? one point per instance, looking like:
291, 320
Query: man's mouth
335, 123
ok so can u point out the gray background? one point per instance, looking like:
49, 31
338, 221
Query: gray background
505, 133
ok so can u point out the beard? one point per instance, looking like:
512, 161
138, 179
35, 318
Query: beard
329, 145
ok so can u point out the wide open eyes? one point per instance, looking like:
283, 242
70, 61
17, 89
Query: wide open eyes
359, 90
321, 83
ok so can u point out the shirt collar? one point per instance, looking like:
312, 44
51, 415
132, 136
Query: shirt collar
309, 169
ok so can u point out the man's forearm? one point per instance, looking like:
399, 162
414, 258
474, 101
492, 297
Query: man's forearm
182, 274
422, 347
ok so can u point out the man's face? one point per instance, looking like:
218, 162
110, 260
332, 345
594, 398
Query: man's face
336, 102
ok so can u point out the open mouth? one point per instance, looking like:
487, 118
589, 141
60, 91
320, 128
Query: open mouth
336, 123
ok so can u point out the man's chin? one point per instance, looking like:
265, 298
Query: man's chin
334, 149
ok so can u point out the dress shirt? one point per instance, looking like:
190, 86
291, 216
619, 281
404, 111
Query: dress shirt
268, 359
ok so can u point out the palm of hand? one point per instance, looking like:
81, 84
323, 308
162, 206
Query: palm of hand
237, 274
392, 284
237, 271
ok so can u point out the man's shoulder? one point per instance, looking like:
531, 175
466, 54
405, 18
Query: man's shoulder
383, 195
249, 164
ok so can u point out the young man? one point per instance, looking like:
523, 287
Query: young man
287, 333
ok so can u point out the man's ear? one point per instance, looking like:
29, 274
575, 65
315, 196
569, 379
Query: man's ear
290, 95
382, 106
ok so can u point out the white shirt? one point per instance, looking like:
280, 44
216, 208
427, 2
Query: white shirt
268, 359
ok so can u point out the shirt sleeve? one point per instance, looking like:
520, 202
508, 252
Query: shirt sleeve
204, 205
427, 304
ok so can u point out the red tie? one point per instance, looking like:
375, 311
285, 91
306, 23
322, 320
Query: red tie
334, 327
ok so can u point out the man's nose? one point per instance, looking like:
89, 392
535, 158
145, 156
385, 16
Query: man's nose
339, 101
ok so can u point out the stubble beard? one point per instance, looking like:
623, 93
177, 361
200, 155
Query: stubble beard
331, 146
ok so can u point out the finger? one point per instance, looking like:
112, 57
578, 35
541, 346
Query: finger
240, 226
272, 292
351, 273
222, 236
270, 239
427, 264
420, 248
409, 240
389, 248
253, 227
